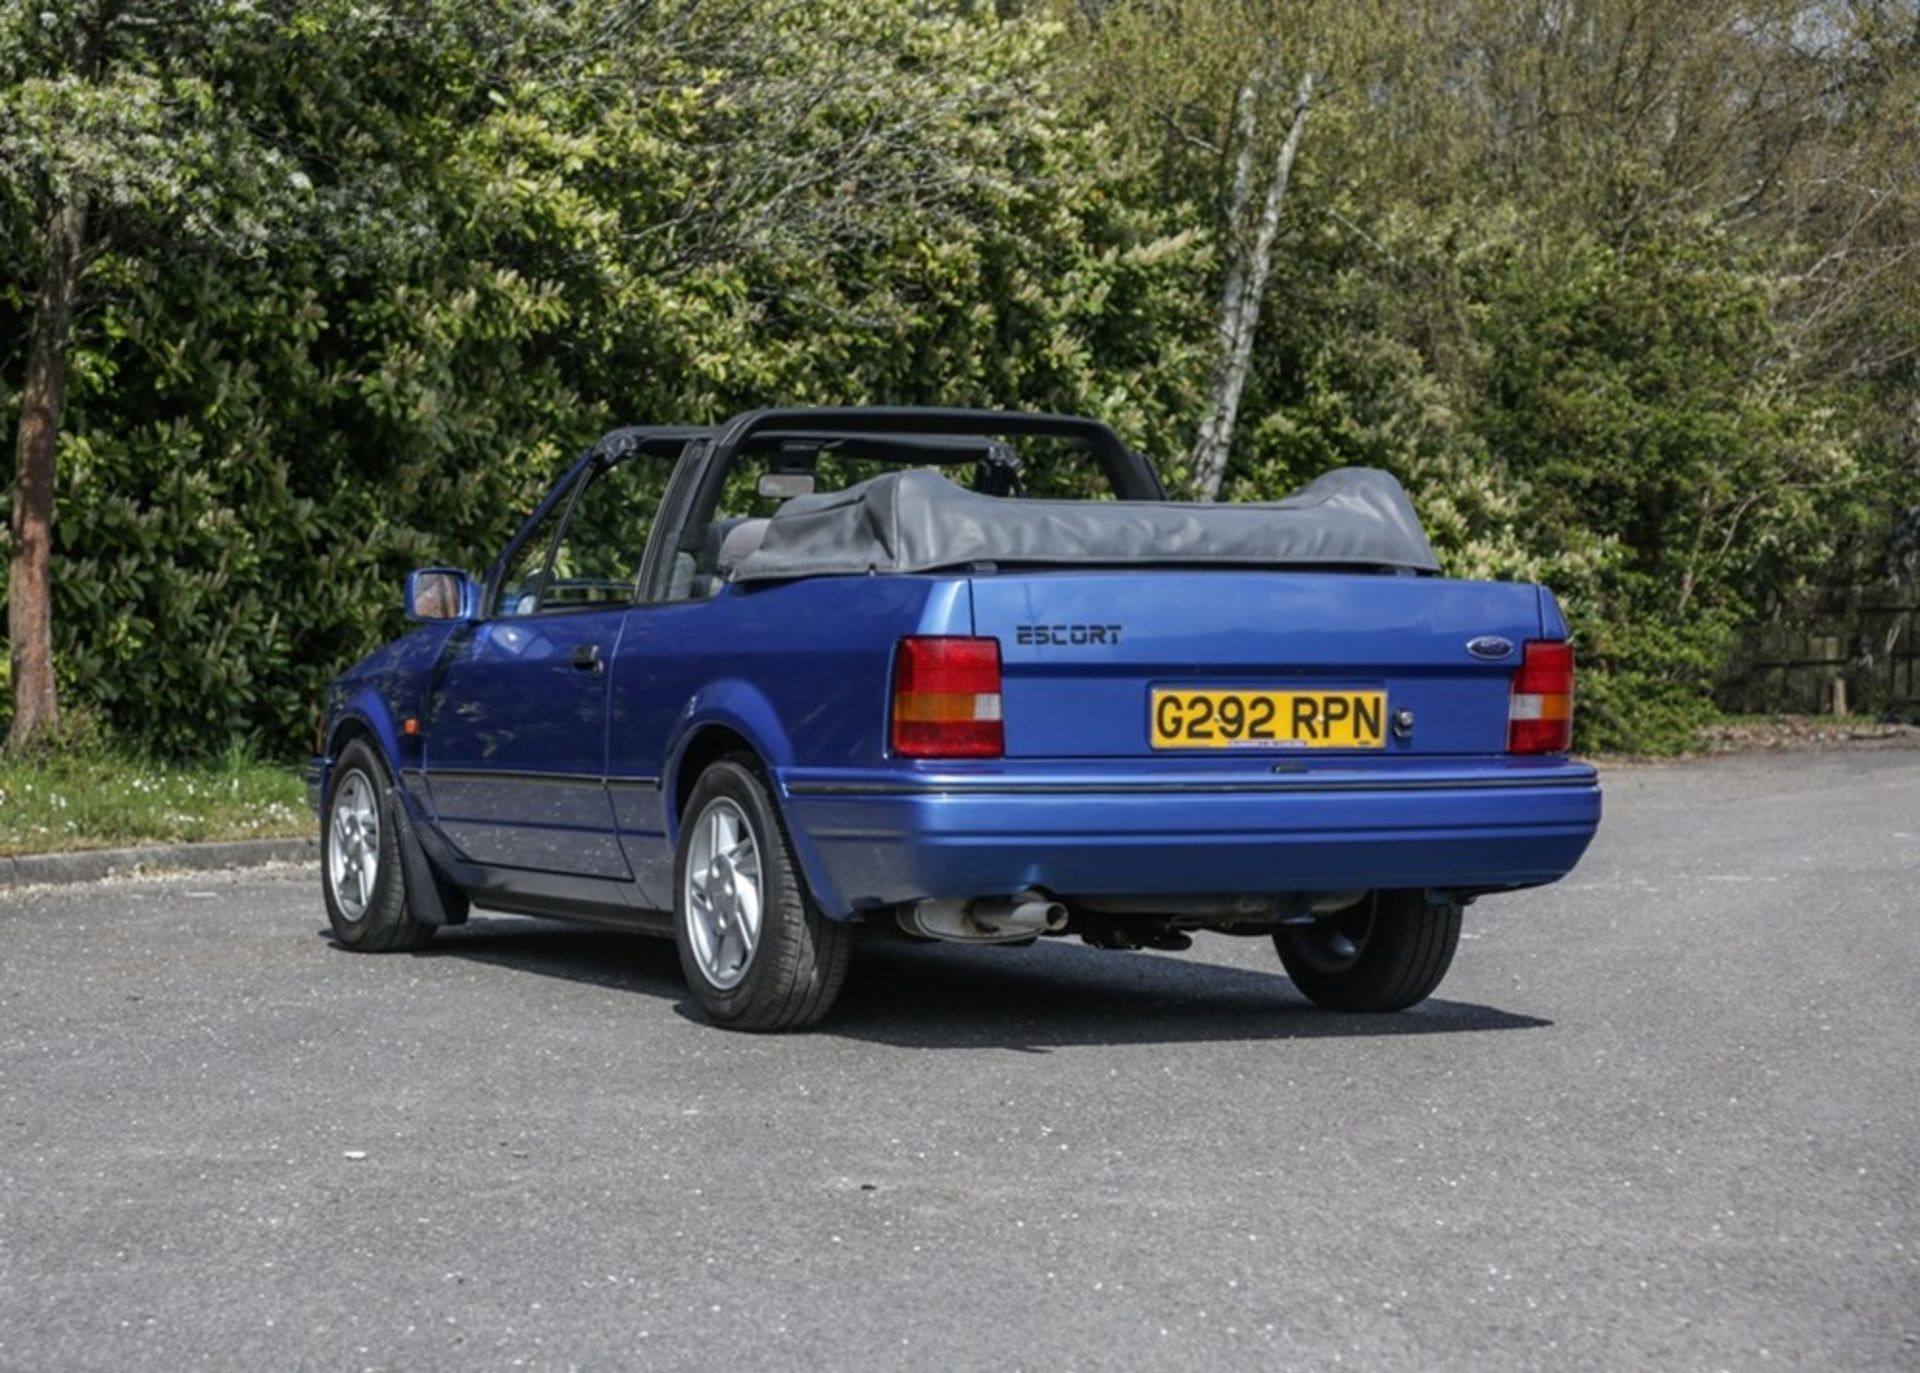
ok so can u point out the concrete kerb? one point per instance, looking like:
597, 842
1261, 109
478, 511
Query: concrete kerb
61, 869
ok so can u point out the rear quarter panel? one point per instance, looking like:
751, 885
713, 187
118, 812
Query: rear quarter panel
800, 670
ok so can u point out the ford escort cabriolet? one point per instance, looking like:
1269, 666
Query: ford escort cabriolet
952, 675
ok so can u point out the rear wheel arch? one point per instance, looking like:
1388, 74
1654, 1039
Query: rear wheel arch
707, 746
730, 715
715, 742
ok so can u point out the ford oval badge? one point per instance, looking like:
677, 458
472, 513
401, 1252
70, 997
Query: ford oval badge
1491, 647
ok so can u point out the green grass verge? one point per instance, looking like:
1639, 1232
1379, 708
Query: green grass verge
84, 799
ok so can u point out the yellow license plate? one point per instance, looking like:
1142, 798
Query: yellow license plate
1268, 719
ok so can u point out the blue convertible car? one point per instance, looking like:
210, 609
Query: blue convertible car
952, 675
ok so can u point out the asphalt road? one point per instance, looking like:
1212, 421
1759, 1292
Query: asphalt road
1666, 1114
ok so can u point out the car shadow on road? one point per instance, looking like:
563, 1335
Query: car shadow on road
1059, 994
1050, 995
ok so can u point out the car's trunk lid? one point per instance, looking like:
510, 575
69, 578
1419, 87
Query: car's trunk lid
1100, 664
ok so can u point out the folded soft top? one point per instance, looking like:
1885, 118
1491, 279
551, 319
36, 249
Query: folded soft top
916, 520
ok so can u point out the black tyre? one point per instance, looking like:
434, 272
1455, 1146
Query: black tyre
361, 873
1386, 953
756, 951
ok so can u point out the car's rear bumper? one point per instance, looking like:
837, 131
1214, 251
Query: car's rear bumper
876, 839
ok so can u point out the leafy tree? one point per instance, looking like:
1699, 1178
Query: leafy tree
1217, 94
107, 121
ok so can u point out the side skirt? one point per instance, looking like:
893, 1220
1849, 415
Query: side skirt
516, 891
628, 918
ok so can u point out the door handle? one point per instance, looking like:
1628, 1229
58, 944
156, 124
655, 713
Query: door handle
586, 658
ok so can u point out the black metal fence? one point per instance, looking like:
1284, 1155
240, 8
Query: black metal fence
1857, 649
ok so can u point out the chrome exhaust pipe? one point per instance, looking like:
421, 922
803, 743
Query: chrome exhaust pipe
985, 920
1030, 912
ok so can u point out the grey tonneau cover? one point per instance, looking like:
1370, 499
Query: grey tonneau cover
916, 520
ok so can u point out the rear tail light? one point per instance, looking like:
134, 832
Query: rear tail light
1540, 711
946, 698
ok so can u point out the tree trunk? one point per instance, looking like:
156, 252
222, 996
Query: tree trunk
1248, 266
36, 705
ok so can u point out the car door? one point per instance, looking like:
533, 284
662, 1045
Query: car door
517, 727
685, 634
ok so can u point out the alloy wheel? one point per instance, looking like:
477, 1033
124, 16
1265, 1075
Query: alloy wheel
723, 898
353, 855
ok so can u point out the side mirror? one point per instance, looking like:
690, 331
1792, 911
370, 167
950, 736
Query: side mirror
441, 593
